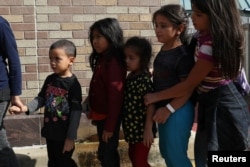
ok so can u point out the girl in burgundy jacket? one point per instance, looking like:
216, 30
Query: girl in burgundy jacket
106, 87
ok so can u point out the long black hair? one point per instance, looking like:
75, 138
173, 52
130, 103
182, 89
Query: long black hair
111, 30
177, 15
227, 34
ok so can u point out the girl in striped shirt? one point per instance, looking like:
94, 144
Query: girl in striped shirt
223, 115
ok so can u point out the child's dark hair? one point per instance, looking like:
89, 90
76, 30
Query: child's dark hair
68, 46
111, 30
227, 34
143, 49
177, 15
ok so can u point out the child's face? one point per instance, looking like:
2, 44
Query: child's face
100, 43
200, 20
164, 29
60, 62
132, 60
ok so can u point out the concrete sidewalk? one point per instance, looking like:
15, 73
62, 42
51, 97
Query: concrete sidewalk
32, 156
36, 156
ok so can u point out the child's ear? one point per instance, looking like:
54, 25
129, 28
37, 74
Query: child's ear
72, 59
180, 29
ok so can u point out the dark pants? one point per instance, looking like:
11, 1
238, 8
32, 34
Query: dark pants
223, 122
56, 157
108, 152
7, 155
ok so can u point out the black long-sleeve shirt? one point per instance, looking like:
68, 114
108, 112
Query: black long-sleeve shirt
61, 98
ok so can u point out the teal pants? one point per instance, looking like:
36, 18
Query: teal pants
174, 136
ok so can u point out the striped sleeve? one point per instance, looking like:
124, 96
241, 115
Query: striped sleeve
205, 51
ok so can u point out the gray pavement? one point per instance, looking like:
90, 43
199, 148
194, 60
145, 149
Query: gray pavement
32, 156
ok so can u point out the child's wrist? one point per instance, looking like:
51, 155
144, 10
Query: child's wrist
26, 110
170, 108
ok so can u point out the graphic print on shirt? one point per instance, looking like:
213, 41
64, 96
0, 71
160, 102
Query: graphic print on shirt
56, 104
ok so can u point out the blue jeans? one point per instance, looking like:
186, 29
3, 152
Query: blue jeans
223, 123
7, 155
174, 136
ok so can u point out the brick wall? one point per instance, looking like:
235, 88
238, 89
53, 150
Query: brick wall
38, 23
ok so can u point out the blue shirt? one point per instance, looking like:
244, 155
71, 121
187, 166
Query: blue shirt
10, 68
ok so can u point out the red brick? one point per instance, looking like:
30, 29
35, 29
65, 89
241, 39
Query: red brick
128, 2
71, 10
4, 10
42, 34
94, 9
22, 10
59, 2
29, 35
43, 60
44, 68
11, 3
29, 76
23, 26
30, 68
80, 34
43, 51
29, 18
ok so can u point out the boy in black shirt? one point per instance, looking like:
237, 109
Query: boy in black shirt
61, 96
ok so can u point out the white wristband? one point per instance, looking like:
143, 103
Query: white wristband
170, 108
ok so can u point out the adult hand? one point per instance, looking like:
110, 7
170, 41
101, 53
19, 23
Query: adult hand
16, 101
106, 135
161, 115
14, 110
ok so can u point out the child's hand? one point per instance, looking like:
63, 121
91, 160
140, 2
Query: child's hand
148, 137
15, 110
150, 98
161, 115
106, 136
69, 144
